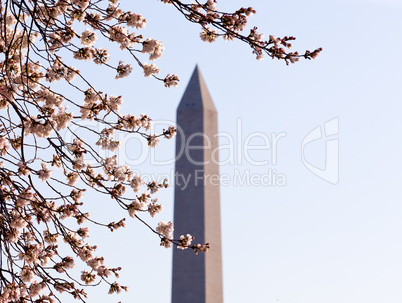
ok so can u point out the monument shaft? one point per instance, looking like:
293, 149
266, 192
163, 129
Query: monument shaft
197, 278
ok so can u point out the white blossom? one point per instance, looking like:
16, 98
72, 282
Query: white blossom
88, 38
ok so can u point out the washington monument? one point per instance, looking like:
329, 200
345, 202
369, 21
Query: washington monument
197, 278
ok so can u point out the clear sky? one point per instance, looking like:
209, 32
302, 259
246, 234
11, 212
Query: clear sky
309, 241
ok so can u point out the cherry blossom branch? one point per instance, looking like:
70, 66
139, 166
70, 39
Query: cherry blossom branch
44, 175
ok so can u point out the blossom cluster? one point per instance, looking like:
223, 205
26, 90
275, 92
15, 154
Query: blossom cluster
166, 232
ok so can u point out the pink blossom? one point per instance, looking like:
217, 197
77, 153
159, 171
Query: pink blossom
44, 174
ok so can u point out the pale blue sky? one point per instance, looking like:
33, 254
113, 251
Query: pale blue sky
309, 241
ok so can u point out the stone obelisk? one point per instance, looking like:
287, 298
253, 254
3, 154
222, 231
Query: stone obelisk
197, 278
